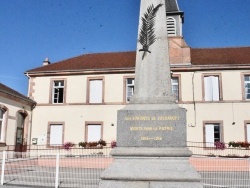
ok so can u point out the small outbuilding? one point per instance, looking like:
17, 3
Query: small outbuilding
15, 119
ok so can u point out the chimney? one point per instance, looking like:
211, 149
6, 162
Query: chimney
46, 62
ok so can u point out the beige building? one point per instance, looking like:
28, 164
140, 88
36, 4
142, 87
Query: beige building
15, 118
78, 98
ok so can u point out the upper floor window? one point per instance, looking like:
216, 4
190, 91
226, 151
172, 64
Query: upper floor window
171, 26
211, 88
1, 123
213, 133
58, 91
130, 83
175, 87
95, 94
247, 86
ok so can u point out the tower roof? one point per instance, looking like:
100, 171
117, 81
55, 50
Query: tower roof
172, 6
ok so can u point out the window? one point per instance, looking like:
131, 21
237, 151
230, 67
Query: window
93, 132
212, 88
55, 135
248, 132
1, 123
171, 26
58, 92
175, 87
212, 134
130, 83
247, 86
95, 91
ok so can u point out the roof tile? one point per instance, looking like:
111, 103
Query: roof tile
12, 92
92, 61
116, 60
212, 56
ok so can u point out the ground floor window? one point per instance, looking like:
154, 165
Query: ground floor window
55, 134
212, 134
2, 113
248, 132
93, 132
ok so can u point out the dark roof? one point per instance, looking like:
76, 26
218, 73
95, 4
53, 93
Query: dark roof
171, 6
92, 61
212, 56
123, 60
7, 90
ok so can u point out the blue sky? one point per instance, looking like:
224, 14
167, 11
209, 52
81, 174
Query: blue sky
32, 30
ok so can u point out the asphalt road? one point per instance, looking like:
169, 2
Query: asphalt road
89, 178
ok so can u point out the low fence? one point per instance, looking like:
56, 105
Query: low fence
220, 172
78, 167
55, 168
209, 149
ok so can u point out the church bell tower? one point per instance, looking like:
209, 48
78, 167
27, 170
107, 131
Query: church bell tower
175, 18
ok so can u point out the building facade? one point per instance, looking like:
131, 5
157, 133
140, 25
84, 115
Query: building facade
78, 98
15, 118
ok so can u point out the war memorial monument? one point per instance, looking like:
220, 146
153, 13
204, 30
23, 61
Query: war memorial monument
151, 147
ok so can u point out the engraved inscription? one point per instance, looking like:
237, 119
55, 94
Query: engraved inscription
160, 128
152, 128
157, 138
153, 118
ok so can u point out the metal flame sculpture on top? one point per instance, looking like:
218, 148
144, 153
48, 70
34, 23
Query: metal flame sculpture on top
147, 36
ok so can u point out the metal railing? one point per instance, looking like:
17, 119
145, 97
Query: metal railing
78, 167
210, 150
56, 167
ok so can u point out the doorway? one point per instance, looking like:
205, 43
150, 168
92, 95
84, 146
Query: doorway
20, 140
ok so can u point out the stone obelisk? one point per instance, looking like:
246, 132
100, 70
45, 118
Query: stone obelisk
151, 147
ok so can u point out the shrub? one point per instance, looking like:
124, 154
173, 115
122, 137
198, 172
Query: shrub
102, 142
219, 145
113, 144
82, 144
239, 144
68, 145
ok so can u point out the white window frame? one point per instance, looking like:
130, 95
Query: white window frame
93, 126
56, 127
212, 88
94, 133
57, 91
96, 91
176, 92
2, 123
246, 87
171, 26
248, 132
129, 88
212, 135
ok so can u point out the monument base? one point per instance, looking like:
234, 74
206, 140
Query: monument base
144, 184
150, 168
152, 151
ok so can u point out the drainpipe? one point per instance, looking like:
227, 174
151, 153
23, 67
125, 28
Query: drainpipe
27, 74
32, 108
194, 100
31, 123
